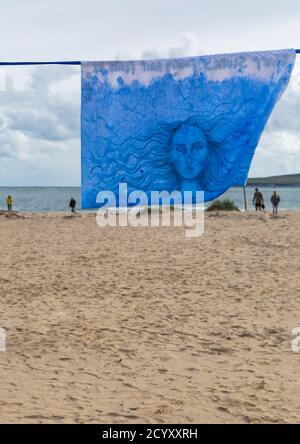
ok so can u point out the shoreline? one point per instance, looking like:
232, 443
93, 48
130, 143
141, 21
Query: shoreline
93, 212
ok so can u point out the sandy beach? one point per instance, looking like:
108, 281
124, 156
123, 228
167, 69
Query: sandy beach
129, 325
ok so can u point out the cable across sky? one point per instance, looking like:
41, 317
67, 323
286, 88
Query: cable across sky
67, 62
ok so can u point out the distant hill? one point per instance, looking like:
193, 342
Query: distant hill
285, 180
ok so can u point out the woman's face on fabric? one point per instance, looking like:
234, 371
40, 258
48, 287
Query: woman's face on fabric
189, 151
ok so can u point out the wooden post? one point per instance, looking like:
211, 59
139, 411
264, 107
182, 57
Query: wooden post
245, 198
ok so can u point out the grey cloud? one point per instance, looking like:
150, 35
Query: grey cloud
286, 117
39, 124
94, 29
45, 75
40, 129
12, 145
189, 46
38, 113
6, 151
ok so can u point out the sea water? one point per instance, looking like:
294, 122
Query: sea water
57, 198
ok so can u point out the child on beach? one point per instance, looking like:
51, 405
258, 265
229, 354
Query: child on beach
9, 203
258, 200
275, 199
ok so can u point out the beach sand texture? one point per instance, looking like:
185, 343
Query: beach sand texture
128, 325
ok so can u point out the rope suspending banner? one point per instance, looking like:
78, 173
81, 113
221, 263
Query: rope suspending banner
73, 62
76, 62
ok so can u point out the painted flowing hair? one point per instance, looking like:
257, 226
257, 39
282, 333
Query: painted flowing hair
144, 163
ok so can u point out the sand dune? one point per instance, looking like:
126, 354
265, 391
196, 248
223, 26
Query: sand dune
144, 325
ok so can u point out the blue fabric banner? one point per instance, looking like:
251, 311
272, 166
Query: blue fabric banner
176, 124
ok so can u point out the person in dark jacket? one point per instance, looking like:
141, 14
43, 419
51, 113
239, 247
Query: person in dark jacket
275, 199
72, 205
258, 200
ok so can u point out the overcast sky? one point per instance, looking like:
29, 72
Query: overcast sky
40, 106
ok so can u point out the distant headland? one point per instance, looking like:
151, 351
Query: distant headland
284, 180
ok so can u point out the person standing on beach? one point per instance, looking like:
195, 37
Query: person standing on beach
72, 205
258, 200
275, 199
9, 203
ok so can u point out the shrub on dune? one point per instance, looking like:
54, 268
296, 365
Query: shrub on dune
223, 205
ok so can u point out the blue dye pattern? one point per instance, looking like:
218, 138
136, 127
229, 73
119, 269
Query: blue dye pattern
180, 124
